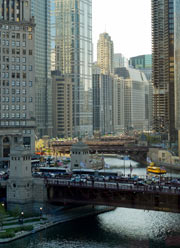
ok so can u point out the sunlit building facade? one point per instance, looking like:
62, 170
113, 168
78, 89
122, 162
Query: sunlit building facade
105, 53
17, 92
73, 57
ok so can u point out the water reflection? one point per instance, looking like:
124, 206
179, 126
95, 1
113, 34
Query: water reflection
121, 228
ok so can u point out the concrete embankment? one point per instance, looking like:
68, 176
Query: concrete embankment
62, 217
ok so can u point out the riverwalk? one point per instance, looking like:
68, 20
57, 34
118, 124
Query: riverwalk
47, 221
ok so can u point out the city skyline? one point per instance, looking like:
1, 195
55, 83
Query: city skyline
134, 36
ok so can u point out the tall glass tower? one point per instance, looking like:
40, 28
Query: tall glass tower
41, 11
73, 56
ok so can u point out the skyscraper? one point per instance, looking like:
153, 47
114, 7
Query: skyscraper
17, 118
177, 67
102, 101
120, 60
163, 67
43, 92
73, 56
105, 53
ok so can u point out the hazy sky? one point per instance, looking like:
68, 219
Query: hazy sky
128, 22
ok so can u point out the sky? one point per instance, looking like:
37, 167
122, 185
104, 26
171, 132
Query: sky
128, 22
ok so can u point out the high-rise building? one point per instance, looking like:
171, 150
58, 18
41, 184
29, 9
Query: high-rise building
120, 60
118, 104
163, 67
102, 101
141, 62
62, 91
105, 53
177, 67
73, 57
17, 82
135, 98
43, 93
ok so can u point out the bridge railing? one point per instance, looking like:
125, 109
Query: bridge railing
115, 186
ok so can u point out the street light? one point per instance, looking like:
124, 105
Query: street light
41, 209
22, 216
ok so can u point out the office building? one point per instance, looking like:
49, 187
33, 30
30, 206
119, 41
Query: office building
118, 104
62, 91
102, 101
43, 86
105, 53
163, 67
135, 98
17, 93
73, 57
177, 67
120, 60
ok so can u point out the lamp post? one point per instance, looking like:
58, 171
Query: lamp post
2, 215
22, 217
41, 209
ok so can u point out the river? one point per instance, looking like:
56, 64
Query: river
121, 228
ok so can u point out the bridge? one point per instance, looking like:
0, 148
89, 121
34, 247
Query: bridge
137, 153
147, 197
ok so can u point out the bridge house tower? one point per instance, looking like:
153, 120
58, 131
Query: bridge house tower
20, 186
79, 156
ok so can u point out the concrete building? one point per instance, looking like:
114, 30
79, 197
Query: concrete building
118, 104
62, 101
163, 67
73, 56
120, 60
135, 94
43, 94
105, 53
17, 92
102, 101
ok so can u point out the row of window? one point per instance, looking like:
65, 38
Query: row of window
14, 59
13, 83
13, 115
13, 43
13, 107
16, 51
15, 35
13, 75
13, 123
13, 99
17, 28
13, 91
16, 67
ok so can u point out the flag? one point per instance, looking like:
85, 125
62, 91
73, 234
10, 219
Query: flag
148, 160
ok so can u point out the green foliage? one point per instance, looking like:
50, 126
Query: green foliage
15, 212
5, 235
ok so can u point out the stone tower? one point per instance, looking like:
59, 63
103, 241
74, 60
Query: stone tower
19, 187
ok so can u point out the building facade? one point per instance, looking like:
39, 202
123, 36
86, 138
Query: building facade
102, 102
43, 94
105, 53
73, 57
177, 67
118, 104
17, 94
163, 67
120, 60
135, 102
62, 91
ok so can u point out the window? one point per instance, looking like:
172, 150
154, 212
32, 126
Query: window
30, 83
24, 36
24, 52
24, 60
24, 43
24, 67
30, 36
24, 84
30, 52
30, 67
17, 43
